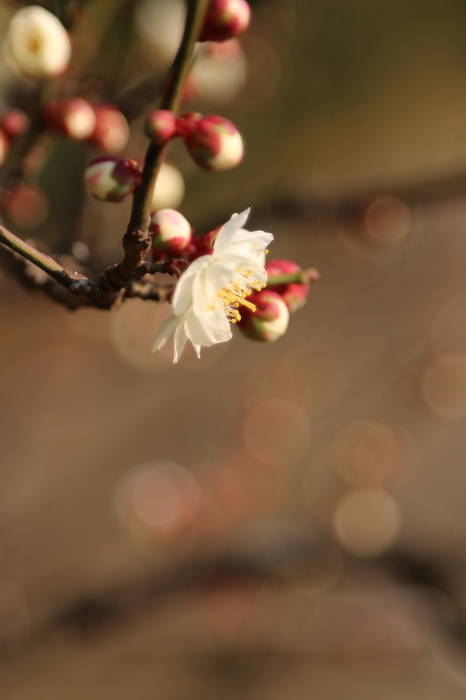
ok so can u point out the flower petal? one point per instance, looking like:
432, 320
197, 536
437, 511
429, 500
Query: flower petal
180, 341
165, 332
229, 229
207, 328
218, 275
182, 297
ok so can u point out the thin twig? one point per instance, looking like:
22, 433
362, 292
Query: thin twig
170, 100
45, 262
300, 277
108, 288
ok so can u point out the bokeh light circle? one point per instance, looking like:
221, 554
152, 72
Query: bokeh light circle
443, 386
369, 452
277, 432
158, 500
367, 521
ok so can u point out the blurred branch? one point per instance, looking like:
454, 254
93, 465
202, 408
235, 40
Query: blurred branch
107, 289
298, 558
74, 289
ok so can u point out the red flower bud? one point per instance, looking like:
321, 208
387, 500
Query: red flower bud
171, 232
14, 123
213, 142
73, 117
111, 179
270, 319
160, 126
225, 19
111, 132
294, 294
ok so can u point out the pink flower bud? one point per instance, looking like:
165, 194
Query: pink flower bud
171, 232
111, 132
73, 117
270, 319
160, 126
225, 19
14, 123
111, 179
294, 294
4, 146
213, 142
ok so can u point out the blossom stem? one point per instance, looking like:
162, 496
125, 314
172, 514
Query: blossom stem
170, 100
300, 277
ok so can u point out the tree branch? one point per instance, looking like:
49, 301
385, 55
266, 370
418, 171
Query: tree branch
44, 262
108, 288
170, 100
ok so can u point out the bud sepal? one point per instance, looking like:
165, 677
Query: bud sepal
287, 279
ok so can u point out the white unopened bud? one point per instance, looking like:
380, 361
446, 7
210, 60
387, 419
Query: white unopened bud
37, 43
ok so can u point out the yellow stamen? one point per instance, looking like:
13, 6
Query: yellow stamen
234, 295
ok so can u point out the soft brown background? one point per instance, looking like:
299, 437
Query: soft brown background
244, 574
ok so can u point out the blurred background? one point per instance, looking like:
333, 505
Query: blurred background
272, 521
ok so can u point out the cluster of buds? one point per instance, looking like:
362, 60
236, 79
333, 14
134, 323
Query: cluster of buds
288, 280
267, 314
13, 123
286, 292
213, 142
103, 126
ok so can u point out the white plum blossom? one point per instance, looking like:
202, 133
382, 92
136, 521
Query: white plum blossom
37, 44
210, 293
